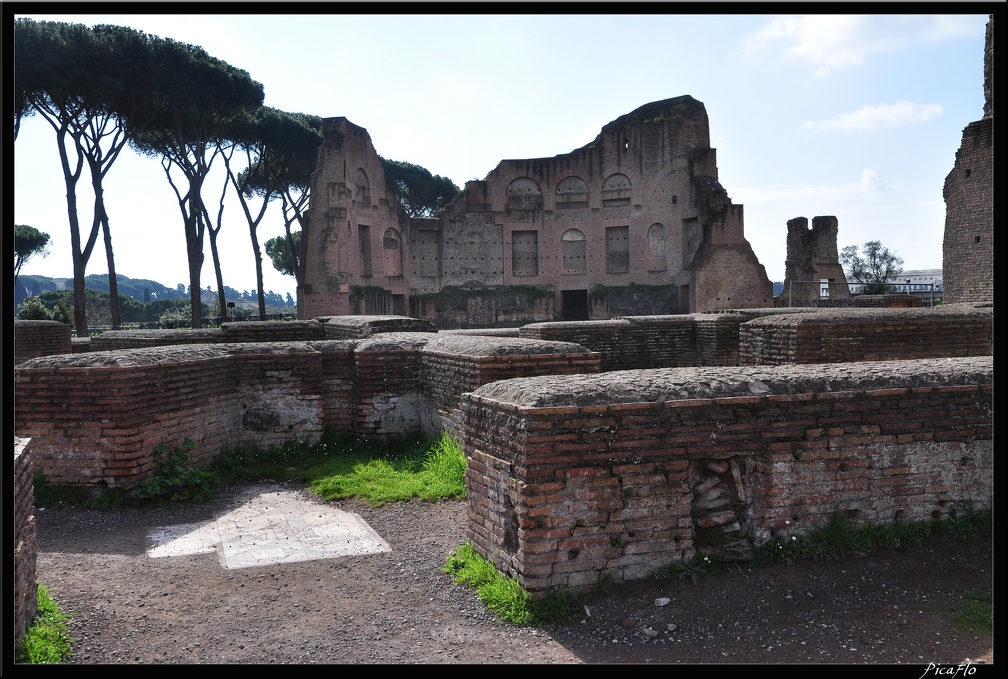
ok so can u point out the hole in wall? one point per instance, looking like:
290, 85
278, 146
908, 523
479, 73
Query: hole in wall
573, 554
936, 515
899, 515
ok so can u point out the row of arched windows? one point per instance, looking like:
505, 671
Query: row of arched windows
571, 192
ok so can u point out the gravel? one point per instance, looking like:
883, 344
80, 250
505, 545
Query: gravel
888, 607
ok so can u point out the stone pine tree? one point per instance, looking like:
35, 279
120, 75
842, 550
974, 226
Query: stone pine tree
279, 253
199, 97
28, 242
420, 193
876, 267
94, 86
284, 169
265, 138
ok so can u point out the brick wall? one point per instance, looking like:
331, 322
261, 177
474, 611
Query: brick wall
359, 327
630, 342
387, 389
40, 338
886, 301
452, 365
25, 542
97, 417
840, 335
573, 477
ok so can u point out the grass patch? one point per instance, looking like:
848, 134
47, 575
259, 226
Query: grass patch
377, 472
974, 613
505, 597
839, 535
46, 639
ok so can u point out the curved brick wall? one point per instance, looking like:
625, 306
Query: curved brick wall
572, 477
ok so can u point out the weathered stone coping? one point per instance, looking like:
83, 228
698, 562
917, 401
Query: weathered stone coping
488, 346
569, 393
365, 326
186, 353
874, 314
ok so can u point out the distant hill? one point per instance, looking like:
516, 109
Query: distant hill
140, 289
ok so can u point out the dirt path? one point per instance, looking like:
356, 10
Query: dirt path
398, 607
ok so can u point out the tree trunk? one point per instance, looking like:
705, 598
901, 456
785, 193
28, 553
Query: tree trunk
101, 216
221, 296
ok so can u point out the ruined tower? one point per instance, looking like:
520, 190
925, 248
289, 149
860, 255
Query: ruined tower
968, 247
812, 260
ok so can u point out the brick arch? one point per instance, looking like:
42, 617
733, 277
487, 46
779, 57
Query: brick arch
363, 187
616, 190
523, 193
657, 259
574, 255
392, 252
571, 192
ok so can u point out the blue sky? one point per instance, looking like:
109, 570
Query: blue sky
854, 116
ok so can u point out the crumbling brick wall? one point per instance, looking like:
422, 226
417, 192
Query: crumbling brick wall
576, 478
841, 335
968, 247
25, 541
812, 256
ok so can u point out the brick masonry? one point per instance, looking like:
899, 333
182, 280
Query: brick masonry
40, 338
840, 335
25, 541
968, 246
572, 478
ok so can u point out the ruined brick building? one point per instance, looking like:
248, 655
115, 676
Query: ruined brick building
812, 258
633, 223
968, 249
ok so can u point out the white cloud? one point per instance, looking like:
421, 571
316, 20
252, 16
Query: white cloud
830, 42
868, 183
870, 118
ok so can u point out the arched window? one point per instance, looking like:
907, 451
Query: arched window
571, 192
363, 193
616, 190
573, 251
657, 257
524, 194
392, 252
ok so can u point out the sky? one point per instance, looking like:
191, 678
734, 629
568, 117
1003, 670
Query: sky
858, 117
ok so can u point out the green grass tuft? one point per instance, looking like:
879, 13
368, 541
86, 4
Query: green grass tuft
504, 596
46, 639
339, 467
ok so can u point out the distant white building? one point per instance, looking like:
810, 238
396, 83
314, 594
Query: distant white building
918, 280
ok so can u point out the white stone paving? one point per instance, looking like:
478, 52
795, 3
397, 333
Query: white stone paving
270, 526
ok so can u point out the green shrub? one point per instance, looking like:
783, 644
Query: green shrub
175, 479
33, 309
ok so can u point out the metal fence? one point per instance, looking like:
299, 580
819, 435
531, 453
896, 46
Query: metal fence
832, 294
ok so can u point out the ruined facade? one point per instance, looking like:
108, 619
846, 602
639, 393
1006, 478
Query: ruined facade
633, 223
812, 258
968, 248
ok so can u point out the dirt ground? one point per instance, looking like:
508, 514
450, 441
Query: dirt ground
886, 608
